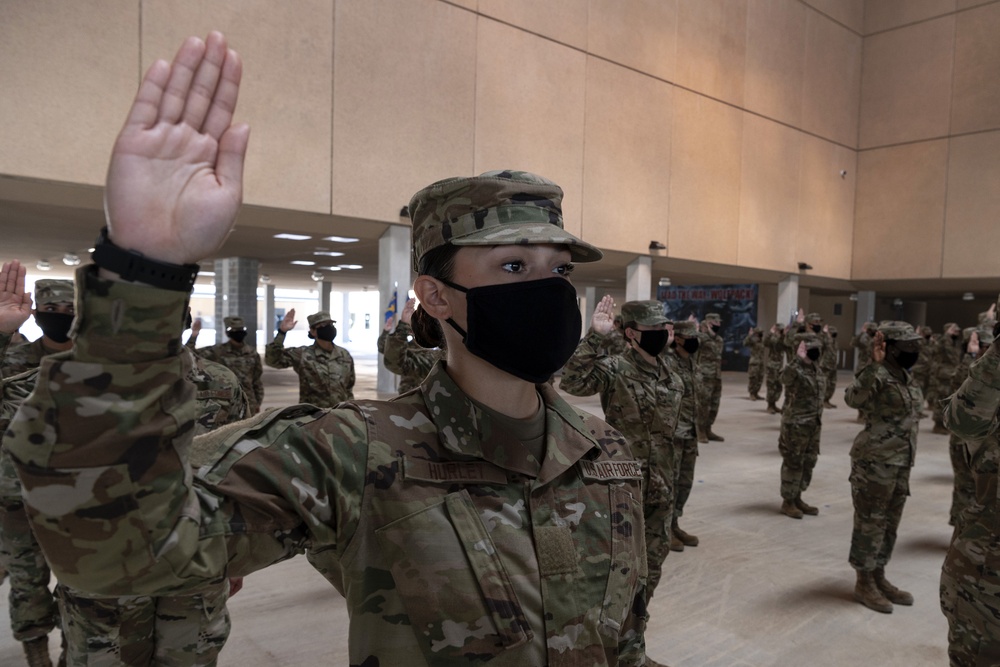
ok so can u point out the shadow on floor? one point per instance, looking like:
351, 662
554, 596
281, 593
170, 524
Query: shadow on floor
925, 545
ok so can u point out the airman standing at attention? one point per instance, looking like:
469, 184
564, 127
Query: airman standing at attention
402, 354
710, 368
881, 459
682, 357
758, 357
801, 422
774, 341
237, 356
326, 370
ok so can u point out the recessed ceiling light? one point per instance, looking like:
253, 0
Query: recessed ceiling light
350, 266
43, 265
293, 237
302, 262
332, 268
340, 239
329, 253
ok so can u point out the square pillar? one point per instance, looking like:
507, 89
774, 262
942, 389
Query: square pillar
236, 295
394, 273
639, 279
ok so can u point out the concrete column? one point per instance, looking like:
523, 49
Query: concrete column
344, 328
394, 273
788, 299
865, 312
236, 294
325, 288
639, 279
270, 319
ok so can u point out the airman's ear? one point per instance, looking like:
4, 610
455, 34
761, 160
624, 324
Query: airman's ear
433, 297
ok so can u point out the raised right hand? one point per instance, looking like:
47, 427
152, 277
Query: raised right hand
288, 322
175, 181
408, 308
603, 319
15, 305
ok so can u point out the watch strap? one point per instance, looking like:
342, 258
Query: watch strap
135, 267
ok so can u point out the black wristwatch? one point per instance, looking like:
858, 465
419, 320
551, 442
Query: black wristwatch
135, 267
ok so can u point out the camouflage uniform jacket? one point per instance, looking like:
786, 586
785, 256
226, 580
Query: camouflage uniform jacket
450, 544
218, 392
325, 378
245, 364
639, 399
709, 355
23, 357
805, 387
406, 358
775, 345
687, 371
925, 360
948, 356
890, 407
758, 351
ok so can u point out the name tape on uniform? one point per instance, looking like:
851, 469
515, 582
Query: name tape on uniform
611, 469
471, 472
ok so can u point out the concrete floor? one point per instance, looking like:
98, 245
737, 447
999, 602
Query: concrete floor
761, 590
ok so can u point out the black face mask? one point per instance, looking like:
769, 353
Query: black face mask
813, 353
653, 342
528, 329
237, 334
715, 328
817, 328
905, 359
55, 326
954, 336
326, 332
833, 335
691, 345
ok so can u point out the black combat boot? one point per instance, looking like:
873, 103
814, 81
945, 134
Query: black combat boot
891, 593
867, 593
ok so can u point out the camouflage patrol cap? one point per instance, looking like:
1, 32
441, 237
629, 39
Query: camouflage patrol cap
811, 340
814, 318
967, 333
985, 335
686, 329
898, 331
948, 326
925, 330
319, 318
494, 208
50, 290
234, 322
648, 313
831, 329
713, 317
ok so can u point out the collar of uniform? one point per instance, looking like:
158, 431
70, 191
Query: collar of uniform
466, 430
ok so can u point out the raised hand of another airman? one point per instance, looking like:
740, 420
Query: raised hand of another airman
408, 308
288, 322
15, 305
878, 347
973, 346
603, 319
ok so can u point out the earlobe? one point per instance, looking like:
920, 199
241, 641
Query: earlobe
432, 296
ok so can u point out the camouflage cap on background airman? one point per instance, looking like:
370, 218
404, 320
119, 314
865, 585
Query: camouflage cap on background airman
649, 313
985, 334
494, 208
318, 318
233, 322
925, 331
812, 341
898, 331
685, 329
832, 330
713, 317
52, 290
814, 318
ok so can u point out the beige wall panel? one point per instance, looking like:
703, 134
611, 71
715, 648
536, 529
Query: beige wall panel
826, 208
769, 194
887, 14
705, 159
403, 102
68, 72
966, 4
906, 87
711, 47
976, 96
776, 37
851, 13
534, 120
626, 167
972, 231
640, 34
468, 4
562, 20
832, 83
286, 88
900, 211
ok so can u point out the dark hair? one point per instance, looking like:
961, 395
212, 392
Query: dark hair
437, 263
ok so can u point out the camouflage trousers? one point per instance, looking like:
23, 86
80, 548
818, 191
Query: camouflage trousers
963, 492
658, 511
879, 492
33, 609
942, 389
799, 447
970, 600
709, 396
831, 383
755, 378
175, 631
774, 386
685, 456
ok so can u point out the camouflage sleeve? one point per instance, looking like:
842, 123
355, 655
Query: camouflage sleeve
589, 371
405, 358
276, 356
258, 381
789, 374
865, 385
192, 342
380, 343
972, 411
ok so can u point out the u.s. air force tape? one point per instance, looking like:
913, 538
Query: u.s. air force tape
606, 470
